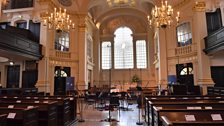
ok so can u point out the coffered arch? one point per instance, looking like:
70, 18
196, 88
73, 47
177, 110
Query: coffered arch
137, 25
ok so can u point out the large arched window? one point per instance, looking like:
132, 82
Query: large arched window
106, 55
123, 48
62, 40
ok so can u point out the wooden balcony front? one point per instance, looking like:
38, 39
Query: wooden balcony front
214, 42
20, 45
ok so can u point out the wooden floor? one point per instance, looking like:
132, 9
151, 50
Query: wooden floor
94, 117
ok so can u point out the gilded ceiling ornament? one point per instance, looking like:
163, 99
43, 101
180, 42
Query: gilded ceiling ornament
66, 3
200, 6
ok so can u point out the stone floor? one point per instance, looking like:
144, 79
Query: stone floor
94, 117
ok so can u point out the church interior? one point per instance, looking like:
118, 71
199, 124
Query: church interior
111, 62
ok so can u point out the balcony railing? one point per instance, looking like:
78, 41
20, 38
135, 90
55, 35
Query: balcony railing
61, 54
17, 4
214, 42
20, 45
184, 50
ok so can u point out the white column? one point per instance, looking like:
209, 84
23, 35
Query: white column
134, 52
1, 7
112, 54
163, 69
43, 65
199, 33
82, 65
222, 11
96, 58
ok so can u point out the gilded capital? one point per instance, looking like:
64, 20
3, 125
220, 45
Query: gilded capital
199, 6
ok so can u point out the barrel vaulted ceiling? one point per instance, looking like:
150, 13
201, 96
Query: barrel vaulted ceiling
109, 15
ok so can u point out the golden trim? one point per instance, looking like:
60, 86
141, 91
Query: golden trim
200, 6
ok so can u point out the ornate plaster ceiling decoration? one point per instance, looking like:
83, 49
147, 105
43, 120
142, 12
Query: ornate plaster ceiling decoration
120, 3
66, 3
108, 27
3, 59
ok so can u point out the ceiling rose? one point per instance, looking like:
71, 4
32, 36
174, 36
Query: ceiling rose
66, 3
3, 59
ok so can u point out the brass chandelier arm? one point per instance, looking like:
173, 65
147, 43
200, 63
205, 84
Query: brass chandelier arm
162, 16
59, 19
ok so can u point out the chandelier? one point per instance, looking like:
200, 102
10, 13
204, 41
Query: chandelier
59, 20
162, 16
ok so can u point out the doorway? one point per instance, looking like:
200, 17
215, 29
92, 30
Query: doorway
13, 74
60, 79
185, 75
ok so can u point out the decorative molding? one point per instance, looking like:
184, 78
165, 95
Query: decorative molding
12, 41
205, 81
200, 6
181, 4
214, 42
66, 3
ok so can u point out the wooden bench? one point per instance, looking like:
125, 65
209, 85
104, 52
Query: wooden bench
151, 102
3, 121
187, 118
157, 111
47, 110
20, 117
72, 103
63, 106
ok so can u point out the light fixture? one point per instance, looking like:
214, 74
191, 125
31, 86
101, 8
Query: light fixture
162, 16
11, 63
3, 59
59, 20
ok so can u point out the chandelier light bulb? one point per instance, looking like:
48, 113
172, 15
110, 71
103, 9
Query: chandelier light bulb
162, 16
59, 19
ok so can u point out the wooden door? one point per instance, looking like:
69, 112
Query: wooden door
13, 74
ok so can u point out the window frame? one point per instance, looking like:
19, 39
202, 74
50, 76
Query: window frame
64, 46
126, 61
145, 51
187, 31
134, 54
109, 65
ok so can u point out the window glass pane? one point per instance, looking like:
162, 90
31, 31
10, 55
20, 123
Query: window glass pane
183, 71
123, 48
89, 48
190, 70
106, 55
62, 40
184, 34
141, 54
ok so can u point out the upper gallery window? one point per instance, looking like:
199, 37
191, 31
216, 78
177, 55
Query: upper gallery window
141, 54
62, 40
184, 36
106, 55
123, 48
16, 4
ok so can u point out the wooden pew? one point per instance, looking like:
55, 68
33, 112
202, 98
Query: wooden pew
64, 109
3, 121
20, 116
47, 110
72, 104
174, 100
175, 108
187, 118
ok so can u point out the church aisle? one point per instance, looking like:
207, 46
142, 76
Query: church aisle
94, 117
